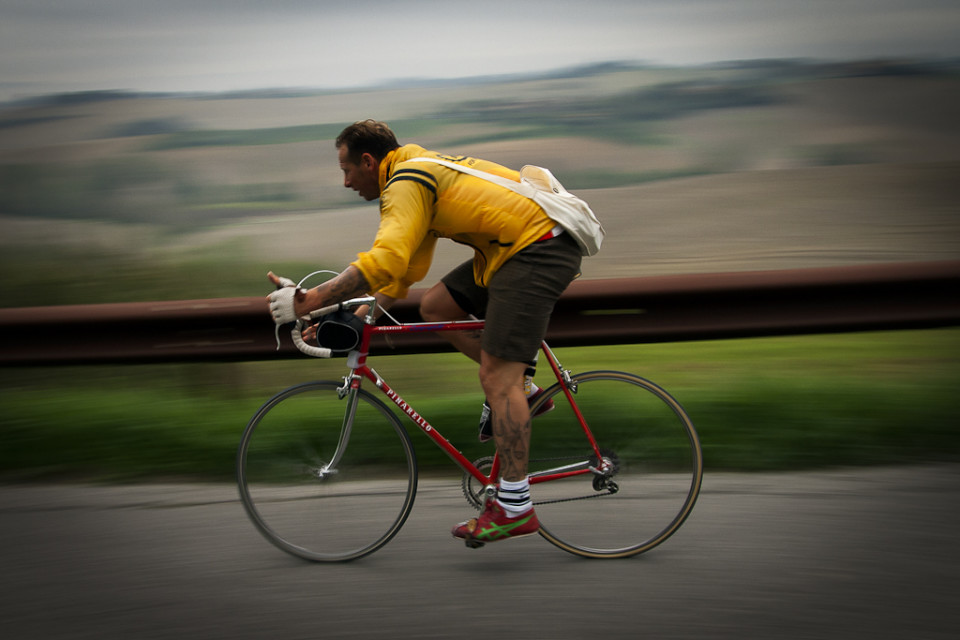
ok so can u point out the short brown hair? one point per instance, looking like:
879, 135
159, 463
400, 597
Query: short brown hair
367, 136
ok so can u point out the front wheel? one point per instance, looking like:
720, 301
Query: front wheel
633, 489
322, 480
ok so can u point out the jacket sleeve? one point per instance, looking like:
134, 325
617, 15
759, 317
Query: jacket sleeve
416, 271
403, 249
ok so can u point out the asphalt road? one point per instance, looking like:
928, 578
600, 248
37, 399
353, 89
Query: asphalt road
835, 554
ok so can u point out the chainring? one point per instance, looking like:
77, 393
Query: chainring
469, 485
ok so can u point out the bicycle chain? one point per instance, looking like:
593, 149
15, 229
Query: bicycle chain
586, 497
592, 495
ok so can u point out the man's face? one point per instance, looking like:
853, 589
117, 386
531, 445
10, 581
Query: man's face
362, 177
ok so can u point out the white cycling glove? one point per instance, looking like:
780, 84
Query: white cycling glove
281, 302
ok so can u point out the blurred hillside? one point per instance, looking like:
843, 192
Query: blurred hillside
110, 196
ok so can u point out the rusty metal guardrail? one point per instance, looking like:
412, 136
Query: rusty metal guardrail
591, 312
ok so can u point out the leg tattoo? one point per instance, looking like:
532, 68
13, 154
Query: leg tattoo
513, 442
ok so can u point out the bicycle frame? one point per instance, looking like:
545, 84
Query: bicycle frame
359, 370
650, 456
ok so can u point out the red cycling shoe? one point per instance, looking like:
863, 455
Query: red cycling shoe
494, 524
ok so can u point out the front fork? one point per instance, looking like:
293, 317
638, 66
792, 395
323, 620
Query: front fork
351, 392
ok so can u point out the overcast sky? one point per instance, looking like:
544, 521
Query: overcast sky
215, 45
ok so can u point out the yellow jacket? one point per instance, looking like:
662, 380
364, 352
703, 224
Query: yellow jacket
423, 201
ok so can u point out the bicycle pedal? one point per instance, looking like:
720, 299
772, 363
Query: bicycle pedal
473, 544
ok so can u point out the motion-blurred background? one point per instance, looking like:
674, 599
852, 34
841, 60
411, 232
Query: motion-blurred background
179, 151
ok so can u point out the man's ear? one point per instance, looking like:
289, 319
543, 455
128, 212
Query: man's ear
367, 161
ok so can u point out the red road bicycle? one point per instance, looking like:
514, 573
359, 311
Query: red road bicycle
327, 471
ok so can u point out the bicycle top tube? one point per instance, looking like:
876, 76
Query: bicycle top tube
370, 327
414, 327
399, 327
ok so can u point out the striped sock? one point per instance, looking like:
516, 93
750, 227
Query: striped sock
514, 497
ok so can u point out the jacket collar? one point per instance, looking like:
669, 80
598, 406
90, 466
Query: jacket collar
395, 157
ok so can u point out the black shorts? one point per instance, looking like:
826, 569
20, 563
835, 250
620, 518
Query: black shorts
520, 298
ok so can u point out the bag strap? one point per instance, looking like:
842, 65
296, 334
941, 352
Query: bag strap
582, 225
522, 188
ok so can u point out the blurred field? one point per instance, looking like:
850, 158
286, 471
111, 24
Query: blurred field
766, 165
772, 403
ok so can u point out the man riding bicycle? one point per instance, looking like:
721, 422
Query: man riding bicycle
523, 261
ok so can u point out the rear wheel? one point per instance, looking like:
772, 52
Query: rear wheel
639, 488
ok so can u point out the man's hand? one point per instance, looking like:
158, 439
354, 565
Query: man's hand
290, 302
282, 300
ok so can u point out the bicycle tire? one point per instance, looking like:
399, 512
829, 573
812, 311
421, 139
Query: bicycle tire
651, 449
325, 517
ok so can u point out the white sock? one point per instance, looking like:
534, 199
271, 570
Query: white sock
514, 497
529, 386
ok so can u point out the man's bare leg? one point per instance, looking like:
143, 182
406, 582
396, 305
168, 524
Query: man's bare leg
511, 514
502, 381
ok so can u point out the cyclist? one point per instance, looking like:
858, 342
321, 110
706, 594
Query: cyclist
522, 263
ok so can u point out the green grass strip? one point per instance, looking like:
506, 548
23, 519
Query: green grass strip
758, 404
